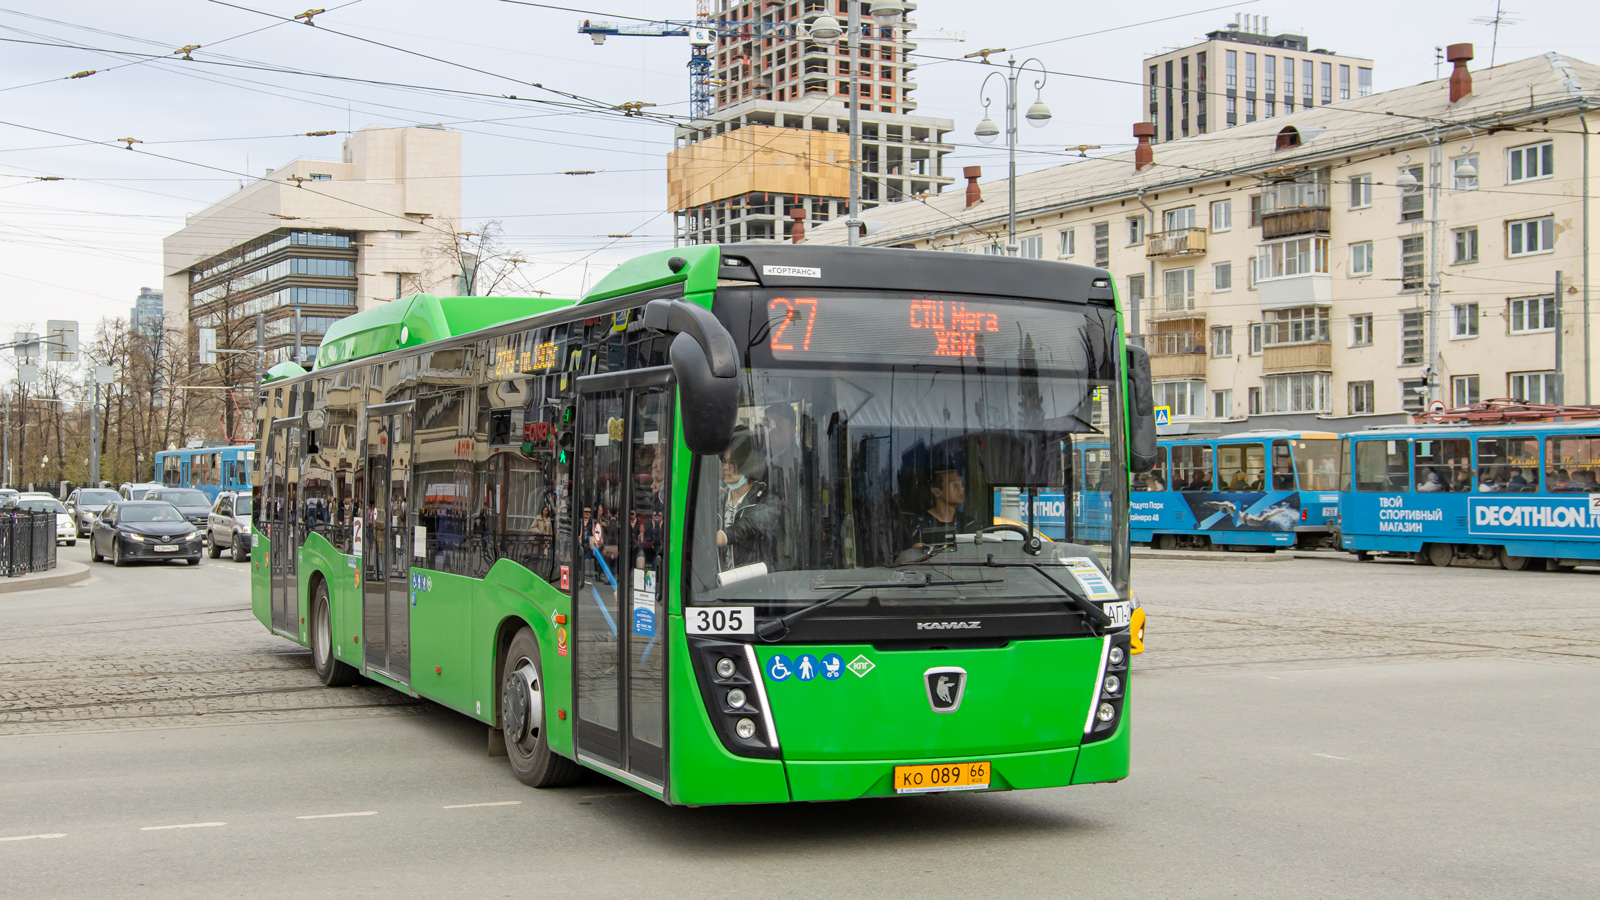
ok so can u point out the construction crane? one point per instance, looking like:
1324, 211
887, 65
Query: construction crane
702, 32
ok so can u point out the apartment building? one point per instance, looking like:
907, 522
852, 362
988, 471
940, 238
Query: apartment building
316, 240
1241, 74
774, 153
1280, 275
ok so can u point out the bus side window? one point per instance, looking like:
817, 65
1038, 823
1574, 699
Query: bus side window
1383, 466
1571, 463
1156, 478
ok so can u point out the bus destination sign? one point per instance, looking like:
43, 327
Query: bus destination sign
841, 328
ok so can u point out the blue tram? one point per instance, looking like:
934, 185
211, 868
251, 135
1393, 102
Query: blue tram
1512, 494
1255, 489
209, 469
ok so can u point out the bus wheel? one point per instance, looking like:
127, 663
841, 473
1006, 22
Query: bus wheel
1441, 555
522, 718
332, 672
1512, 563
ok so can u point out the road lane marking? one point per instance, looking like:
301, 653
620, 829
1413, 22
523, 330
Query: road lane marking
339, 815
189, 825
1330, 756
475, 805
32, 837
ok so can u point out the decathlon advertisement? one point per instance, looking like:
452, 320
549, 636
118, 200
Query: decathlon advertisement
1577, 516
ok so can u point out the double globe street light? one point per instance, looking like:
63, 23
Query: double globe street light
1037, 115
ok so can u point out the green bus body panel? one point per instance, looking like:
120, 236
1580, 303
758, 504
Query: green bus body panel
1108, 760
513, 596
260, 578
1027, 696
442, 639
281, 371
421, 319
644, 273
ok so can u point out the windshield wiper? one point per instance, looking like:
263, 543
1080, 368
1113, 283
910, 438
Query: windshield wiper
1091, 611
782, 623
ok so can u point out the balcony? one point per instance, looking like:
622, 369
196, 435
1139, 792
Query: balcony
1178, 354
1294, 207
1316, 356
1177, 242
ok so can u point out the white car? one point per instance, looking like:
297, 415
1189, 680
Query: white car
66, 528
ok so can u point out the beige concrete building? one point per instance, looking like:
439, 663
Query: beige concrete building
329, 237
1283, 273
1241, 74
775, 149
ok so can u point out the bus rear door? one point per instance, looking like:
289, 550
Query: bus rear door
386, 548
620, 574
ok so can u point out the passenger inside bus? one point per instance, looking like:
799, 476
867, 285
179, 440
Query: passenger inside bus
1584, 481
749, 532
1516, 483
1432, 483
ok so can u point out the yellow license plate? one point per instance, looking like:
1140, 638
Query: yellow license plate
967, 776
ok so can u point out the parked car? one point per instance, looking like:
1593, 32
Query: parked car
85, 505
66, 530
131, 530
194, 504
229, 525
135, 490
7, 494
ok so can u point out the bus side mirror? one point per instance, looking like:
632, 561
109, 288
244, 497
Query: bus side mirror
1141, 412
705, 363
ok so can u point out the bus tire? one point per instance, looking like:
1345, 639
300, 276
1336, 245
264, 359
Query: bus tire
1441, 555
330, 670
1512, 563
522, 718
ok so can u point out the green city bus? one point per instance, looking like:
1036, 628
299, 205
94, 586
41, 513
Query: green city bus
727, 529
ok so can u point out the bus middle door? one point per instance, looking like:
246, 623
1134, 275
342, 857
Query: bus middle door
386, 545
620, 575
283, 555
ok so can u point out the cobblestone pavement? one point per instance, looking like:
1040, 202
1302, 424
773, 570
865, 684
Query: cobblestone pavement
157, 646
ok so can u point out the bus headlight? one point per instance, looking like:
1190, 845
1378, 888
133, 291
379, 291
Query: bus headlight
1105, 713
736, 700
735, 697
745, 729
726, 667
1111, 691
1113, 684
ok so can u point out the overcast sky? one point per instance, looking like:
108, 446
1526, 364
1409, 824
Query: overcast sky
81, 248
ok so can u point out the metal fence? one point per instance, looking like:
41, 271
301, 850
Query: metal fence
27, 542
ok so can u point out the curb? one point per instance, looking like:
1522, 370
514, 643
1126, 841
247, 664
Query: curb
1213, 555
63, 574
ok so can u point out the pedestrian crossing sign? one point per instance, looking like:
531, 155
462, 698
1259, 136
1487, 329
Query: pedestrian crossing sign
1163, 415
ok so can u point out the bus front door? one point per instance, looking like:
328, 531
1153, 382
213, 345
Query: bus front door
386, 546
283, 557
619, 576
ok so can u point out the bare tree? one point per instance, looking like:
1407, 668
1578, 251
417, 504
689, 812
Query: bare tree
470, 263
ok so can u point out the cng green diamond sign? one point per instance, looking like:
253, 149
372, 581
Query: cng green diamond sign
861, 666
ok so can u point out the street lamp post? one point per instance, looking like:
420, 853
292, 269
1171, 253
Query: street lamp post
1037, 115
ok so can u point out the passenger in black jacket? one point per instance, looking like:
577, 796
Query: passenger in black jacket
749, 527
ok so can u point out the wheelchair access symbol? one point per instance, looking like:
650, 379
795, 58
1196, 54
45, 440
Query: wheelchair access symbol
778, 668
1163, 415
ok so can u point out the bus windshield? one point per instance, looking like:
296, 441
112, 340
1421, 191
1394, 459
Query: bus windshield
840, 475
1317, 462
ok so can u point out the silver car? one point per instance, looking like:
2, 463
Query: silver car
229, 525
86, 504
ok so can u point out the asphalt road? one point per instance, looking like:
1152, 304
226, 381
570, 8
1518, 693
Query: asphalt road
1314, 729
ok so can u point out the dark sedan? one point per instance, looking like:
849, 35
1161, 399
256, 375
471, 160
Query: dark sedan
131, 530
195, 505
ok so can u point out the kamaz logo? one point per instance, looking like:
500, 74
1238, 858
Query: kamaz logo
947, 626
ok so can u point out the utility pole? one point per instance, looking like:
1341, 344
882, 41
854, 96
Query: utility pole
852, 222
1435, 174
1561, 374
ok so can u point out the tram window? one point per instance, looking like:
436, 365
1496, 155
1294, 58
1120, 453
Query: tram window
1191, 467
1571, 464
1382, 466
1156, 478
1443, 465
1319, 463
1241, 467
1508, 465
1282, 467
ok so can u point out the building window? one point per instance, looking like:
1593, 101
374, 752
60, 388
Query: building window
1411, 338
1250, 73
1297, 325
1464, 243
1135, 289
1255, 211
399, 285
1411, 266
1361, 258
1270, 70
1249, 109
1102, 244
1255, 339
1411, 197
321, 176
1464, 320
1233, 111
1184, 398
1360, 191
1288, 82
1464, 390
1222, 341
1327, 83
1533, 387
1292, 258
1361, 330
1067, 242
1301, 392
1032, 247
1179, 284
1364, 81
1231, 70
1177, 219
1413, 395
1530, 162
1532, 314
1135, 230
1464, 182
1254, 401
1250, 272
1360, 393
1222, 404
1221, 215
1344, 82
1222, 277
1525, 237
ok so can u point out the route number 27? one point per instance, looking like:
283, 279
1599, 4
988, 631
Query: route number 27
791, 313
727, 620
